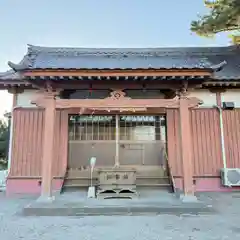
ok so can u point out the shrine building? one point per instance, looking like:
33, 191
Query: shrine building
170, 114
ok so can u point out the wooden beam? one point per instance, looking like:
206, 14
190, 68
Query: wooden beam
186, 147
116, 73
48, 152
116, 102
118, 85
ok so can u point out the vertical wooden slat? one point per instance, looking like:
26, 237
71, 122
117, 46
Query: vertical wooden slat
24, 155
207, 157
60, 143
197, 142
64, 141
215, 123
29, 138
237, 124
173, 142
231, 121
27, 142
39, 142
228, 139
56, 144
196, 150
34, 170
20, 138
14, 145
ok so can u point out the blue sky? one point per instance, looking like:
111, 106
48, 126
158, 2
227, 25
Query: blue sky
98, 23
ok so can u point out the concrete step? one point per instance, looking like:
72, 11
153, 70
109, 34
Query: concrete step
55, 209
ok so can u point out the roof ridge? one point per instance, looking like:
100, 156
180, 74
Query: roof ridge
35, 50
59, 57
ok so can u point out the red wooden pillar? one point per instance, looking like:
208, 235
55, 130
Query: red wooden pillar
48, 151
186, 148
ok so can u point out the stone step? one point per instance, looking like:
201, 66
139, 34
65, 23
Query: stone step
151, 181
55, 209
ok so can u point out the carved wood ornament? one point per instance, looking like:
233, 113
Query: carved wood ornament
116, 102
117, 95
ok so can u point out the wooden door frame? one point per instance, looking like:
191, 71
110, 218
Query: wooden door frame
120, 103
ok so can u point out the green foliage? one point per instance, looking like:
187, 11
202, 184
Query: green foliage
224, 15
4, 140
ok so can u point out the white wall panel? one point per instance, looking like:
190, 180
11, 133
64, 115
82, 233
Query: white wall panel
231, 95
208, 98
24, 99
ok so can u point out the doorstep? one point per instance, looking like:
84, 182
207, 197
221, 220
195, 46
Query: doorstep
75, 204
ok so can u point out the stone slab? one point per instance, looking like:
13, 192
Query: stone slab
224, 224
152, 202
188, 198
77, 209
45, 199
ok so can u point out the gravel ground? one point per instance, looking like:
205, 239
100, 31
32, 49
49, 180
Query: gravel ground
223, 225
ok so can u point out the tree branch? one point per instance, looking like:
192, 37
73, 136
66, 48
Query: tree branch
224, 16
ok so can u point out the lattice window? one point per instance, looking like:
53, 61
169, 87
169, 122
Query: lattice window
131, 128
141, 128
88, 128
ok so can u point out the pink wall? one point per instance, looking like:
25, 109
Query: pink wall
29, 186
27, 143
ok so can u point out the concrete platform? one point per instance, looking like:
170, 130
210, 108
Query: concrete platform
152, 202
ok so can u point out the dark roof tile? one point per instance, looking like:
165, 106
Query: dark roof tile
132, 58
8, 75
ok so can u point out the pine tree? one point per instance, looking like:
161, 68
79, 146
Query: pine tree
224, 15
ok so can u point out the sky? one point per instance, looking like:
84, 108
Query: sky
96, 23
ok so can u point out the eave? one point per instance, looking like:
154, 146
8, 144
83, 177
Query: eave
61, 73
222, 83
6, 84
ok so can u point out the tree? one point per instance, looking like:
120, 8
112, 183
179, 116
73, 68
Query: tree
224, 15
4, 140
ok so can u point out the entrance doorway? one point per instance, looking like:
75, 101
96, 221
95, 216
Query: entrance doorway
132, 140
141, 140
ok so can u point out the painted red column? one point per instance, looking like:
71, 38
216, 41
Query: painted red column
186, 146
48, 151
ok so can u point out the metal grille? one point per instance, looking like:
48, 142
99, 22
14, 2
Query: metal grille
91, 128
124, 139
142, 128
131, 128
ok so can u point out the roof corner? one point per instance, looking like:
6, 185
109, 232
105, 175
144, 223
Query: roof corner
9, 75
219, 67
26, 62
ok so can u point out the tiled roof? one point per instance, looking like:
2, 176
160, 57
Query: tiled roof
133, 58
11, 74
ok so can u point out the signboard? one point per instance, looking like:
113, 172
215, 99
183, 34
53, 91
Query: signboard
91, 118
107, 118
129, 118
